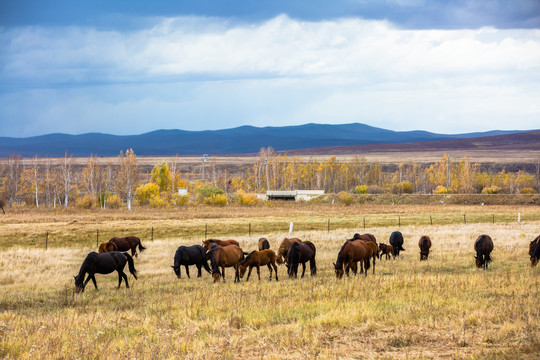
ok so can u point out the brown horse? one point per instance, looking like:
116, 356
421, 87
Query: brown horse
225, 256
372, 251
257, 259
366, 237
263, 244
284, 249
123, 244
424, 244
483, 247
534, 251
351, 252
387, 250
106, 247
300, 253
206, 243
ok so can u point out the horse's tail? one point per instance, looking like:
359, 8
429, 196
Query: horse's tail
131, 265
313, 266
141, 248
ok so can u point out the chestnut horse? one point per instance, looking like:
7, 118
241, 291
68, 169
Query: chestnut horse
424, 244
284, 249
483, 247
257, 259
105, 263
351, 252
206, 243
123, 244
372, 251
387, 250
367, 237
396, 240
263, 244
225, 256
534, 251
300, 253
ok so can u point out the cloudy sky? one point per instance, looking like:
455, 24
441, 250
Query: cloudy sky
133, 66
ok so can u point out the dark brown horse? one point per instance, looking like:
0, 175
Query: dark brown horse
105, 263
372, 251
350, 253
263, 244
284, 249
424, 244
483, 247
396, 240
123, 244
257, 259
534, 251
300, 253
367, 237
206, 243
225, 256
387, 250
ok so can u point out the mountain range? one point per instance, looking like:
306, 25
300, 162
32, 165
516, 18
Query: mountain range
239, 140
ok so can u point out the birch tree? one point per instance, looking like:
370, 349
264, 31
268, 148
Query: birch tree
128, 175
35, 165
67, 175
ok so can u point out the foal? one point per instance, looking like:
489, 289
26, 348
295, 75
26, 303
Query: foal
257, 259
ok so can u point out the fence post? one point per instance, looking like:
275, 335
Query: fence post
464, 219
97, 238
291, 228
364, 222
249, 232
399, 221
46, 240
328, 225
493, 219
430, 220
205, 231
152, 233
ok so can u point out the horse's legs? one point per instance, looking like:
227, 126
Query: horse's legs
269, 269
223, 272
303, 269
275, 269
237, 272
125, 279
373, 264
259, 272
249, 272
120, 272
199, 272
91, 276
187, 271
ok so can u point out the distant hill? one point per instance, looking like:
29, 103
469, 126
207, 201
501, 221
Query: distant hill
240, 140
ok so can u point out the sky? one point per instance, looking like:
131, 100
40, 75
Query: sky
134, 66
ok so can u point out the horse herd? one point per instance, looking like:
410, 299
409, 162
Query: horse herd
361, 250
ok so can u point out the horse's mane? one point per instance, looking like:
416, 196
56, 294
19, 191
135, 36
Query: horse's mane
293, 252
213, 262
246, 258
339, 260
88, 262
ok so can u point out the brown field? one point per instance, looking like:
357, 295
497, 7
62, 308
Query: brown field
442, 308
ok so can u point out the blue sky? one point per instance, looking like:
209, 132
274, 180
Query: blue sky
128, 67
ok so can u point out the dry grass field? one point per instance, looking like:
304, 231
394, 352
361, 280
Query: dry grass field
441, 308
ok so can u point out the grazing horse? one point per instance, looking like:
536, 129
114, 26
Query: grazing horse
372, 251
225, 256
300, 253
396, 240
124, 244
284, 249
387, 250
190, 255
534, 251
257, 259
424, 244
106, 247
105, 263
366, 237
351, 252
483, 247
207, 243
263, 244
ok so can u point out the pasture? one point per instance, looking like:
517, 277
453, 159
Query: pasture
440, 308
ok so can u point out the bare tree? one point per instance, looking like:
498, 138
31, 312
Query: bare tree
67, 175
128, 175
36, 168
13, 177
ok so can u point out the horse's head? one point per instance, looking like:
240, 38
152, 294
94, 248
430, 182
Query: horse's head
479, 262
242, 270
339, 271
423, 256
176, 270
534, 260
79, 286
216, 275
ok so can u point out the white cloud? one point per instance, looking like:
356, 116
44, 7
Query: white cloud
278, 72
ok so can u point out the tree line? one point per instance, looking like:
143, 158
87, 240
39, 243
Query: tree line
121, 182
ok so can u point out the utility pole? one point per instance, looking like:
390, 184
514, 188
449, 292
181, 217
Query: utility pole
203, 161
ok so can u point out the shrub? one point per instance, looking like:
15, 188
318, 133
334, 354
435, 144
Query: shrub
180, 200
216, 200
114, 202
246, 199
491, 190
86, 202
208, 191
145, 192
361, 189
374, 189
156, 202
345, 198
527, 190
440, 190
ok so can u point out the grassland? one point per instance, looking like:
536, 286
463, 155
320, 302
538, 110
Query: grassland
442, 308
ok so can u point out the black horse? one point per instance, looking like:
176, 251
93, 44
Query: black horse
396, 240
300, 253
536, 253
483, 247
190, 255
104, 263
